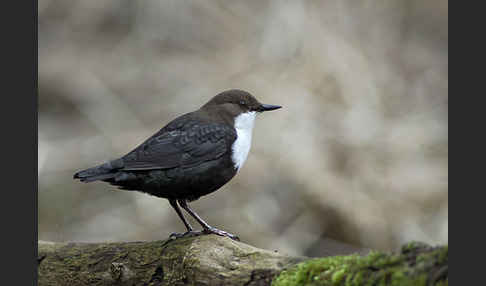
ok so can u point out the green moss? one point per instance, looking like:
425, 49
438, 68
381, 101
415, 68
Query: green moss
443, 283
413, 245
411, 266
443, 254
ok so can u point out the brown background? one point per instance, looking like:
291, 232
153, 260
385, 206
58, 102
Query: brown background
359, 153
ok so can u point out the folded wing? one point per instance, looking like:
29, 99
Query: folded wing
186, 146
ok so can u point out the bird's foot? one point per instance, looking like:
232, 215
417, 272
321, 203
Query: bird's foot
192, 233
221, 233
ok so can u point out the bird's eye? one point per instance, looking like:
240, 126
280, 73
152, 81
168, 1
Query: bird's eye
243, 102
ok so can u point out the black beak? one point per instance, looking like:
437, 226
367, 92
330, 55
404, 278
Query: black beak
268, 107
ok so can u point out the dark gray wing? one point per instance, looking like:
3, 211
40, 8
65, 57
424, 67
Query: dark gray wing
188, 145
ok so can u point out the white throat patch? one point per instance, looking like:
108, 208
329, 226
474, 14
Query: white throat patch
241, 147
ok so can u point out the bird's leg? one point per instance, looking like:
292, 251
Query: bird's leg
207, 228
190, 231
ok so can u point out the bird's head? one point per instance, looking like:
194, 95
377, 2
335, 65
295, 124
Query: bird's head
237, 102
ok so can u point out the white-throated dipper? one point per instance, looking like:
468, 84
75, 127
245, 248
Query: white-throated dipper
192, 156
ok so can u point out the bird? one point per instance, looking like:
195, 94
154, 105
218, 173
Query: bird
192, 156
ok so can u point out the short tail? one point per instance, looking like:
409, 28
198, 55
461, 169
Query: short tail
102, 172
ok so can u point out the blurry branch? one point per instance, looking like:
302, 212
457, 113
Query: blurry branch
214, 260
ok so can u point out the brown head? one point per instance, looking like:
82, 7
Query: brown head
235, 102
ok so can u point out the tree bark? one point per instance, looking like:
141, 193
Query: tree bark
202, 260
215, 260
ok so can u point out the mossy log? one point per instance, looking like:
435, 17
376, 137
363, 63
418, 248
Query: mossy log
417, 264
202, 260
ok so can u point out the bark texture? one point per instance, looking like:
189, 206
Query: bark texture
215, 260
202, 260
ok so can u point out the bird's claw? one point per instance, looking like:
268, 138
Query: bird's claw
192, 233
221, 233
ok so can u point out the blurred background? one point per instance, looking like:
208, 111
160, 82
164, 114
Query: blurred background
358, 155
